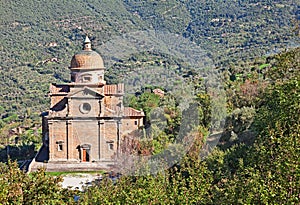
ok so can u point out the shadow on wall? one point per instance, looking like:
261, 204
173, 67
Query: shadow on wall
43, 154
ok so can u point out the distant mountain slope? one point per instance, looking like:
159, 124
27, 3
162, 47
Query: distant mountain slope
227, 29
38, 38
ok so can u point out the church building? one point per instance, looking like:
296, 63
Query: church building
84, 126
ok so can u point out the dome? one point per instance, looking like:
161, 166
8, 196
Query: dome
87, 58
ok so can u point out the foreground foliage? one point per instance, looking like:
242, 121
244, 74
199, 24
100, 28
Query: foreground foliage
17, 187
268, 172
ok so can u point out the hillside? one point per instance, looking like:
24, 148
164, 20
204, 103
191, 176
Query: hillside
38, 38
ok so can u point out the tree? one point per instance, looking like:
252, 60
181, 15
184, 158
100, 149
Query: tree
268, 171
18, 187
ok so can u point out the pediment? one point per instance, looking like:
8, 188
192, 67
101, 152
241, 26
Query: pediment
85, 92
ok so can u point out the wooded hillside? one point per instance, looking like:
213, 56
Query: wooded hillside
38, 38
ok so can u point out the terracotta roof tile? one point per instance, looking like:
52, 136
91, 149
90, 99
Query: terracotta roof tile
114, 89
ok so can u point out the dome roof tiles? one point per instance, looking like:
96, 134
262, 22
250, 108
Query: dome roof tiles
87, 60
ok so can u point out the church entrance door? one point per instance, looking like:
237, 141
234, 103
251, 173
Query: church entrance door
85, 152
84, 155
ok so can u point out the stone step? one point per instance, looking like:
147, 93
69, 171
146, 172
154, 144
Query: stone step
71, 166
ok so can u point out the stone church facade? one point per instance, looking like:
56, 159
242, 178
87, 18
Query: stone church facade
84, 127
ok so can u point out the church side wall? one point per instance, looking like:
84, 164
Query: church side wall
58, 140
109, 142
131, 124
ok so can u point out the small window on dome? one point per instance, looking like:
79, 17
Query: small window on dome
86, 79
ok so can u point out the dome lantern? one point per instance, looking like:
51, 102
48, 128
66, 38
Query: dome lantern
87, 44
87, 59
